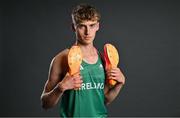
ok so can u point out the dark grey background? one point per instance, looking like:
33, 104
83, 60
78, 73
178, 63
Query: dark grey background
146, 33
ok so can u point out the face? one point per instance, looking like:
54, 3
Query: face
86, 31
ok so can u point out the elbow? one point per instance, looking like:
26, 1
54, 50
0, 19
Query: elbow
107, 101
44, 106
44, 103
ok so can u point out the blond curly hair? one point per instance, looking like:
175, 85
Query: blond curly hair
85, 12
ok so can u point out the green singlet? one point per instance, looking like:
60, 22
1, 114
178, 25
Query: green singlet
88, 101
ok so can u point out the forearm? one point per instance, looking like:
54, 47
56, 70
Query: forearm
50, 99
111, 94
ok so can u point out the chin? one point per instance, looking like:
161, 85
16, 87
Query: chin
89, 41
86, 41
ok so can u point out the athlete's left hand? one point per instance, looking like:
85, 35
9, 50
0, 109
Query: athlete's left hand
117, 75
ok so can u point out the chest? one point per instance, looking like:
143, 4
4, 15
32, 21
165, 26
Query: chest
90, 59
92, 72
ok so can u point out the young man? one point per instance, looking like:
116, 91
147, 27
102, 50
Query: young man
94, 93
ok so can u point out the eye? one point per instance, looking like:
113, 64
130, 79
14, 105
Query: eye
80, 26
93, 25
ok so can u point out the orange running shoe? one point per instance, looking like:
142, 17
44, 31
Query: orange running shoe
111, 59
74, 59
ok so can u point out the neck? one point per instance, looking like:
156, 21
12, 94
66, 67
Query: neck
88, 49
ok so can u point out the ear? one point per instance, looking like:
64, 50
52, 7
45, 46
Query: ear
97, 26
73, 27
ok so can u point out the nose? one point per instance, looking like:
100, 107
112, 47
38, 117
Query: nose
87, 30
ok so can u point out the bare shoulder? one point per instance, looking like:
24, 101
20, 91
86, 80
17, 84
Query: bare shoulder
59, 65
57, 70
61, 56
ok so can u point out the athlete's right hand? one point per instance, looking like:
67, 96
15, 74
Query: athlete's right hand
71, 82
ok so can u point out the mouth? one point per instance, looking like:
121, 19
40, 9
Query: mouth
87, 37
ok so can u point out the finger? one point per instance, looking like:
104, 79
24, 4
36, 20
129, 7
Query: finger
78, 78
76, 88
111, 77
77, 85
78, 81
112, 71
120, 80
115, 70
76, 74
108, 73
114, 74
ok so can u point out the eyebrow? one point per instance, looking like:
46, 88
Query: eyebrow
85, 25
93, 24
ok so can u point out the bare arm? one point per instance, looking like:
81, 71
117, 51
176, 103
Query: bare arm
112, 92
58, 81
